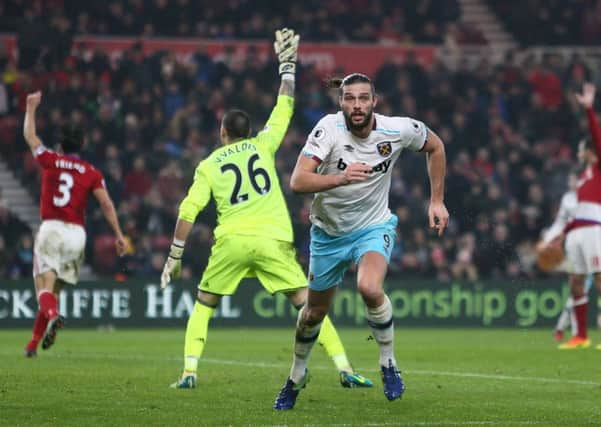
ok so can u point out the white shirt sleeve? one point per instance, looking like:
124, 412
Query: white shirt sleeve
564, 215
318, 145
39, 150
413, 133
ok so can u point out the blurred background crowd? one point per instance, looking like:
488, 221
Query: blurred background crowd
511, 129
333, 20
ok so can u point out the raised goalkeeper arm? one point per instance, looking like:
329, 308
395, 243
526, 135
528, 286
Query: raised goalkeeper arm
286, 49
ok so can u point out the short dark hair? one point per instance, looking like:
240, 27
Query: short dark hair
237, 124
339, 83
71, 138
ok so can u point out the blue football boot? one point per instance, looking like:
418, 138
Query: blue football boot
288, 394
393, 383
185, 382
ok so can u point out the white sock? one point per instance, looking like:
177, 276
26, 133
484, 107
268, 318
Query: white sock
380, 321
576, 302
306, 336
190, 365
564, 318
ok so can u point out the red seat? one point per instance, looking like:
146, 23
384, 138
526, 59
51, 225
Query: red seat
8, 129
160, 243
105, 256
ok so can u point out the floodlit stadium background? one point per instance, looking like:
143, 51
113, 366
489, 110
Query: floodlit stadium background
150, 80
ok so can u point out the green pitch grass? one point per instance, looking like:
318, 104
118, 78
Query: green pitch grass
454, 377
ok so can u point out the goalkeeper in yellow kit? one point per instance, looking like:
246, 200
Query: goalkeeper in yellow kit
254, 236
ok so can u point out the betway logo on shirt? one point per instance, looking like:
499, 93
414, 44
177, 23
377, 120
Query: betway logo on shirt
380, 167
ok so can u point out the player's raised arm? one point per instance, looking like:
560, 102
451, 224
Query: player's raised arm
31, 137
286, 49
587, 99
437, 212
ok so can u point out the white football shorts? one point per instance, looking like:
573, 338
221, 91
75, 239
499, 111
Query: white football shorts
59, 246
583, 249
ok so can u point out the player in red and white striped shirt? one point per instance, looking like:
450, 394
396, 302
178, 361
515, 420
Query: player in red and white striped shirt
67, 183
583, 233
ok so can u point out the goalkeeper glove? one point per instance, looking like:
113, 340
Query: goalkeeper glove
286, 49
173, 265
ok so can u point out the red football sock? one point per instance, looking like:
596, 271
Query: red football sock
581, 314
48, 304
39, 327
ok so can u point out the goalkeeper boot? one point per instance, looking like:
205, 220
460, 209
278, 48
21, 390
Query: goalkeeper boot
393, 383
185, 382
575, 343
354, 379
288, 394
54, 325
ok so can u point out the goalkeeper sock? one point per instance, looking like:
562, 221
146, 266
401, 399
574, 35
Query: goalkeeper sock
381, 323
329, 339
196, 336
303, 343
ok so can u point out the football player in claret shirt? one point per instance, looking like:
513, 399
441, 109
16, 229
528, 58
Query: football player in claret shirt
583, 232
555, 235
67, 183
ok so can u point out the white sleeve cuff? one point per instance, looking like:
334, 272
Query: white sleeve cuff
39, 150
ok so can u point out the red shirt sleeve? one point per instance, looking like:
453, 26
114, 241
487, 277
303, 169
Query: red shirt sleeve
98, 180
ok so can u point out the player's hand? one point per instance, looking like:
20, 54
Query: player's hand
540, 246
120, 245
173, 265
355, 172
550, 255
33, 100
171, 271
438, 216
286, 49
587, 97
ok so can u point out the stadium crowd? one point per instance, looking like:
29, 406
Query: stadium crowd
557, 22
510, 132
384, 21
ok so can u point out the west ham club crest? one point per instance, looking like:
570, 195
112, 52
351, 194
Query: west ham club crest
384, 148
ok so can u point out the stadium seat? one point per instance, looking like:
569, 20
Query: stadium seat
105, 256
160, 243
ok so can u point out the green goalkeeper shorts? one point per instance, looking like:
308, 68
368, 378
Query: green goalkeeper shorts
235, 257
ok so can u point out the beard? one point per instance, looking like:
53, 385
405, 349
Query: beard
357, 126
